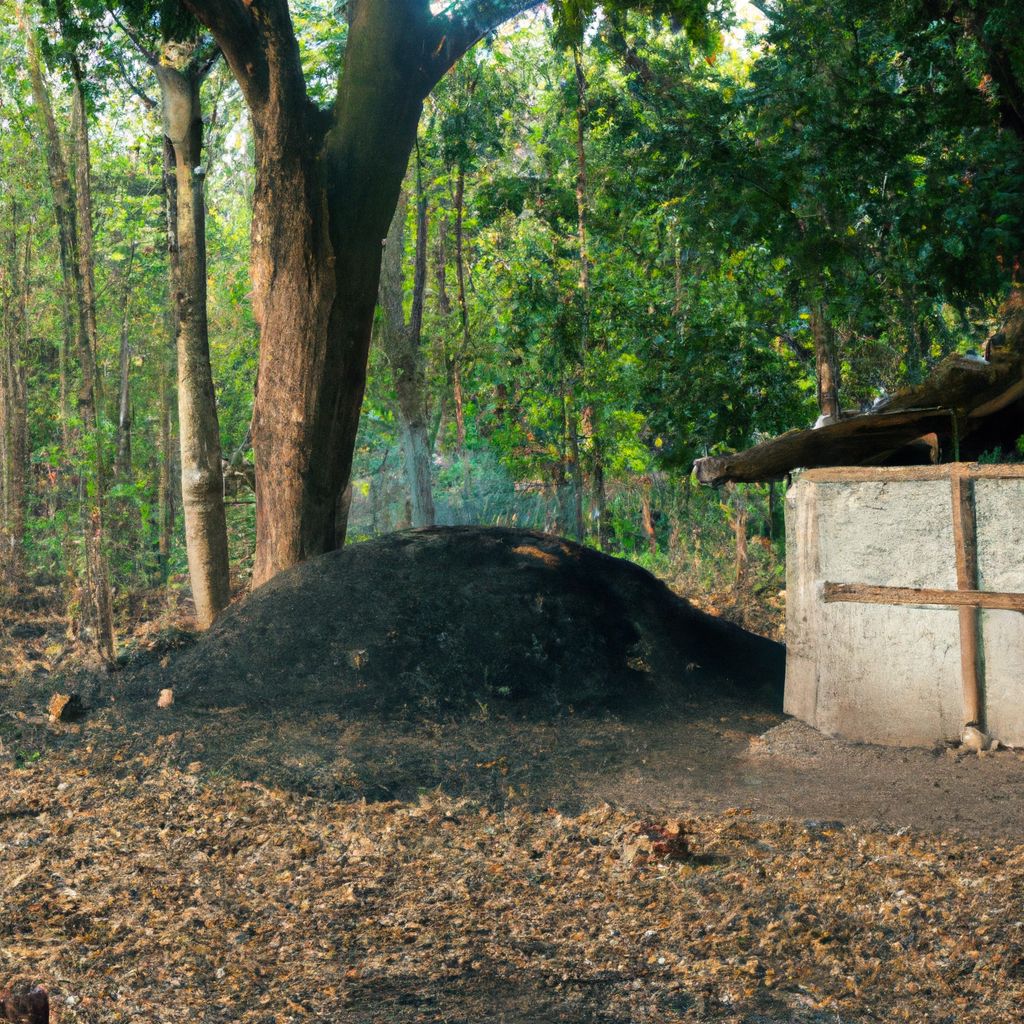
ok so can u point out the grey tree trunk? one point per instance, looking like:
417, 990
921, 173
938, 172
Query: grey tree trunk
123, 459
166, 360
400, 341
462, 351
591, 418
202, 485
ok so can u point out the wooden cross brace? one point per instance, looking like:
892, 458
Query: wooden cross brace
967, 598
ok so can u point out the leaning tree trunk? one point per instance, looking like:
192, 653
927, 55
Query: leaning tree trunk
202, 486
401, 344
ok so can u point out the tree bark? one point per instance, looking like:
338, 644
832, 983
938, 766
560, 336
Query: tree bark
202, 485
647, 515
123, 459
444, 309
401, 343
825, 361
166, 362
591, 413
79, 295
738, 516
572, 439
14, 449
316, 256
90, 389
460, 277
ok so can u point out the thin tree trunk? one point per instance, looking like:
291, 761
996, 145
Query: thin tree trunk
401, 344
90, 391
647, 516
83, 206
738, 517
202, 484
825, 360
76, 269
460, 275
166, 363
444, 309
572, 435
165, 491
123, 460
591, 415
13, 404
677, 271
341, 516
581, 200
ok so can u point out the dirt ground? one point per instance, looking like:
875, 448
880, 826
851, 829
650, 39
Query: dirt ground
704, 756
692, 857
507, 870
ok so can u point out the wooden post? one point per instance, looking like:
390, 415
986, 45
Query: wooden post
965, 537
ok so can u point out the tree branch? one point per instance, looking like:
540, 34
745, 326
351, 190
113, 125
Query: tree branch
241, 40
147, 101
147, 54
204, 59
462, 26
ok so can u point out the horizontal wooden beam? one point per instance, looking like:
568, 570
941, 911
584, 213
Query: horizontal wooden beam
881, 474
867, 593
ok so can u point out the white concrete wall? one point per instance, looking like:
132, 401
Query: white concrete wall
886, 674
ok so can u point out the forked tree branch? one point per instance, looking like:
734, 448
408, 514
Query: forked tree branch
241, 40
465, 24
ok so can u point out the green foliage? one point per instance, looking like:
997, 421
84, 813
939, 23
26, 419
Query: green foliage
573, 18
853, 157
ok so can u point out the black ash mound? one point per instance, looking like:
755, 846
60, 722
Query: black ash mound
443, 619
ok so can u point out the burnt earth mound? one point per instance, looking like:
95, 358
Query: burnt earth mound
443, 620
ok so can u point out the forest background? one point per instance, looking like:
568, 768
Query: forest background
609, 258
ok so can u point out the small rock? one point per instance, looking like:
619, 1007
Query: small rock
974, 739
166, 698
64, 707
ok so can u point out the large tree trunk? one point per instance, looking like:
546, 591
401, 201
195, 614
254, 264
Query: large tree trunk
202, 485
401, 344
326, 189
316, 265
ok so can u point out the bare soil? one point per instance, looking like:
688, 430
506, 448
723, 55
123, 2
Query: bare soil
464, 848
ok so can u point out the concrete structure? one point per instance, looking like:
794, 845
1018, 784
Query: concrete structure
877, 661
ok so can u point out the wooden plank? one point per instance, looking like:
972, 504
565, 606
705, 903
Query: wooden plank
883, 474
868, 593
964, 536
